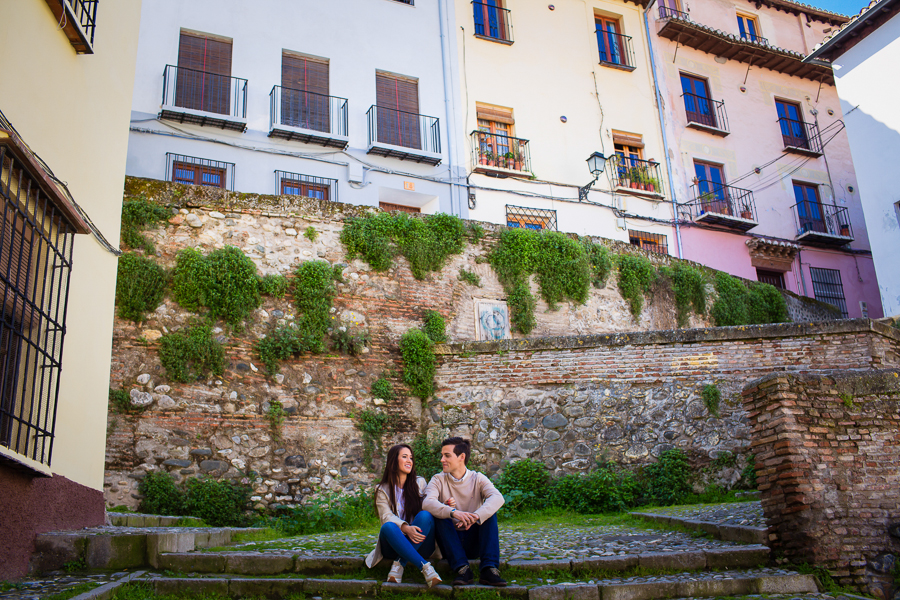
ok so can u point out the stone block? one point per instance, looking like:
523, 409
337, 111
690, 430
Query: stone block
328, 566
731, 558
258, 564
745, 535
640, 591
786, 584
116, 551
706, 588
677, 561
215, 538
194, 562
51, 552
443, 591
264, 588
340, 587
541, 565
167, 521
158, 543
187, 587
605, 563
564, 592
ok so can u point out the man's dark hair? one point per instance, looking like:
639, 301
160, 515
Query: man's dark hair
460, 446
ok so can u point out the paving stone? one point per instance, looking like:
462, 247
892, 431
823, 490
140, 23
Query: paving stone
265, 588
258, 564
354, 587
193, 562
640, 591
158, 543
564, 592
187, 586
788, 584
680, 561
716, 587
731, 558
330, 565
116, 551
541, 565
605, 563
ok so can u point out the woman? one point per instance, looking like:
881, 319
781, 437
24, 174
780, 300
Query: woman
407, 531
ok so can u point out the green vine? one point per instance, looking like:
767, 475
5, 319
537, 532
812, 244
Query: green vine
275, 416
689, 285
419, 361
476, 232
738, 304
137, 216
711, 398
636, 277
470, 277
275, 286
383, 388
283, 343
425, 242
191, 354
310, 233
314, 290
434, 327
140, 286
373, 425
225, 283
601, 262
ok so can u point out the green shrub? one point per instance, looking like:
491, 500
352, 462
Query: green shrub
138, 215
160, 495
425, 242
476, 232
140, 286
310, 233
275, 286
434, 326
427, 456
187, 285
524, 484
521, 308
120, 402
636, 277
711, 398
417, 350
603, 490
275, 415
225, 283
349, 342
600, 260
218, 503
689, 286
313, 292
282, 343
382, 388
748, 474
470, 277
334, 512
737, 304
191, 354
767, 305
668, 480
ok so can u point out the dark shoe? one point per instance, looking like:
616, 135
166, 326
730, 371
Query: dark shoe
491, 576
464, 576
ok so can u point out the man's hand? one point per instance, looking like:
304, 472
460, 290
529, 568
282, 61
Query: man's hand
464, 519
451, 502
414, 534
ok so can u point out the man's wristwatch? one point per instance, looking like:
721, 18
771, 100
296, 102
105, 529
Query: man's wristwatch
452, 510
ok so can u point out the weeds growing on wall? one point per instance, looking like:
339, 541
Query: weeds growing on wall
560, 264
282, 343
419, 363
311, 234
425, 242
373, 425
601, 262
275, 286
275, 416
224, 282
711, 398
689, 285
636, 276
120, 402
191, 354
137, 216
470, 277
737, 304
140, 286
314, 290
383, 389
434, 326
350, 342
218, 503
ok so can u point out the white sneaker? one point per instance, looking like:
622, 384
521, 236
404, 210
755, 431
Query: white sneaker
431, 576
396, 574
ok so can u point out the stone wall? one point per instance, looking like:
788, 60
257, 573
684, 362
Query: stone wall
804, 310
628, 397
828, 461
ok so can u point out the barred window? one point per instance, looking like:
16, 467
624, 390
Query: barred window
827, 287
199, 171
539, 219
297, 184
654, 242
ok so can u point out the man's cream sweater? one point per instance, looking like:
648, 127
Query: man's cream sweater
473, 493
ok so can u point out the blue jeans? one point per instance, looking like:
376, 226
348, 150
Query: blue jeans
479, 541
395, 544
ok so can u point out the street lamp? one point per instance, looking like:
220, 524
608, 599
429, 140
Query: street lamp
596, 163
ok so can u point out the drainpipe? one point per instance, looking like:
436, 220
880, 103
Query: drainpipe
662, 126
449, 110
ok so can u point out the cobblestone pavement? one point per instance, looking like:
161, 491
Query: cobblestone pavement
747, 514
34, 589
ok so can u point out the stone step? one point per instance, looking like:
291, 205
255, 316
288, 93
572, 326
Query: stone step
637, 588
141, 520
720, 531
258, 563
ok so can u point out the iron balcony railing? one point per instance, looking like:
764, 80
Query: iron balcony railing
193, 170
308, 186
400, 128
667, 12
85, 12
752, 37
635, 174
495, 151
308, 110
800, 135
492, 21
615, 48
705, 111
721, 199
208, 92
828, 219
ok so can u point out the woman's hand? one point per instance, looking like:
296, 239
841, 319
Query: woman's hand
451, 502
414, 534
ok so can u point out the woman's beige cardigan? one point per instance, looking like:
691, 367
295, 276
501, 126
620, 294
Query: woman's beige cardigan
383, 507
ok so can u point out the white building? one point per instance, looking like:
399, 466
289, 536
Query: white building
864, 55
345, 100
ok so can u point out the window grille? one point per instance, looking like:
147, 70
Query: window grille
413, 210
539, 219
297, 184
199, 171
655, 242
827, 287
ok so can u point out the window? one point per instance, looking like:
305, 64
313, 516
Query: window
496, 145
654, 242
304, 97
413, 210
203, 81
790, 118
491, 20
748, 28
538, 219
199, 171
297, 184
827, 287
775, 278
697, 101
613, 46
670, 8
711, 188
397, 99
809, 208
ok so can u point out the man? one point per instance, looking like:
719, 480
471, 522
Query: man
467, 527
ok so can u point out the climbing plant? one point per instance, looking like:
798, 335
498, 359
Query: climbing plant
738, 304
140, 286
275, 286
314, 290
434, 326
636, 276
711, 398
419, 361
191, 354
137, 216
225, 283
281, 344
689, 285
425, 242
601, 262
383, 388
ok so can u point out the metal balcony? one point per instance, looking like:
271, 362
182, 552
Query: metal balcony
616, 50
635, 176
500, 154
666, 12
720, 205
492, 23
822, 224
404, 135
800, 138
706, 114
77, 19
295, 115
202, 98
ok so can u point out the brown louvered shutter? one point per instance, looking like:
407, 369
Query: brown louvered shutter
304, 95
15, 267
398, 113
204, 73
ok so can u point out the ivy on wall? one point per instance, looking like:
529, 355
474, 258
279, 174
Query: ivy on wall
225, 283
191, 354
137, 216
738, 304
140, 286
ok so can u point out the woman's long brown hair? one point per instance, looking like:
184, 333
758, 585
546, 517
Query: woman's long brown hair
412, 501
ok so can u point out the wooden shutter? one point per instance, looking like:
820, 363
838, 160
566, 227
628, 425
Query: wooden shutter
15, 267
304, 95
398, 115
204, 73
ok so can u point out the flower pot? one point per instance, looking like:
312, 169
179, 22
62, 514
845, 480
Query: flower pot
651, 187
746, 214
635, 185
845, 230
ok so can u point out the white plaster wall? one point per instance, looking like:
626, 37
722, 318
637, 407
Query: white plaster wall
868, 88
358, 37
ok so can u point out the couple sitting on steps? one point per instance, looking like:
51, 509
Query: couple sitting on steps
457, 509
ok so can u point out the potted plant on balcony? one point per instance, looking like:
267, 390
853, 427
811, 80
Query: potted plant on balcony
746, 212
635, 178
845, 230
486, 157
652, 184
509, 161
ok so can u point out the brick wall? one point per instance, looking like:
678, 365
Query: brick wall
828, 464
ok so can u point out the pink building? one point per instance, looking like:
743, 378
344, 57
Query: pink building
760, 160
